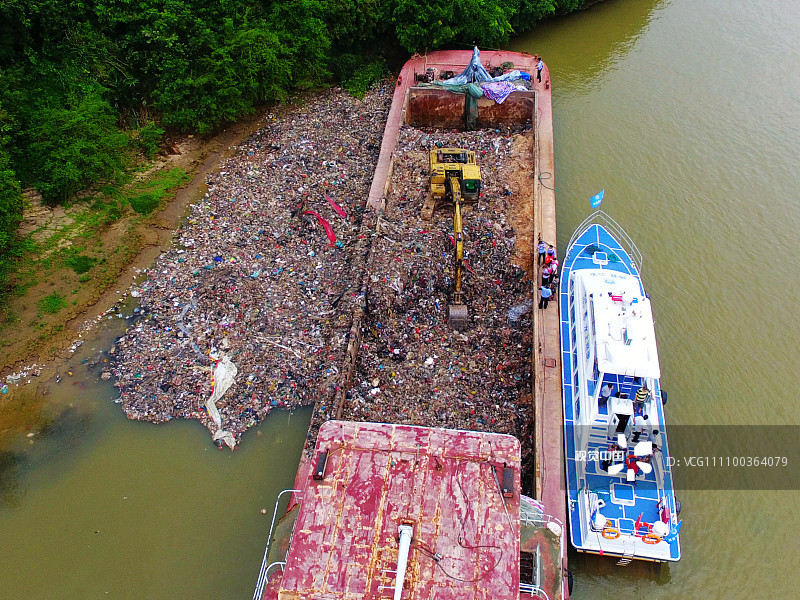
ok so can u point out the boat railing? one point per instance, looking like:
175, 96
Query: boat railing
533, 590
263, 574
625, 530
277, 563
532, 587
541, 520
599, 217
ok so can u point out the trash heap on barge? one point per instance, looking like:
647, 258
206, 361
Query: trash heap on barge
410, 486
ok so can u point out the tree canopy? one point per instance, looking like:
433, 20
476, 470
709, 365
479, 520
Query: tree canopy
75, 75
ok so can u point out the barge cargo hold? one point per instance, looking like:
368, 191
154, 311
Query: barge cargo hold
408, 376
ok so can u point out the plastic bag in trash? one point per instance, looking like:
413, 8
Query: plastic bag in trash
515, 313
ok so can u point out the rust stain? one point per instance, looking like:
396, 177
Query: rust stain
380, 476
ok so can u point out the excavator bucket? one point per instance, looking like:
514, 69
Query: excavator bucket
457, 316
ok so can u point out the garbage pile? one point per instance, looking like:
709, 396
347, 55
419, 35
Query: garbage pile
413, 368
260, 275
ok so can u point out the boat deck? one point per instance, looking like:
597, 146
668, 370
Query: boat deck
629, 503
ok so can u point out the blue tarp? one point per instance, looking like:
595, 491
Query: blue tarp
476, 73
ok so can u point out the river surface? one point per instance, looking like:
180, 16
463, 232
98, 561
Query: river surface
96, 506
686, 113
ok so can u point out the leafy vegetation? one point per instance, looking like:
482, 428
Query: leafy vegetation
51, 304
144, 203
364, 78
149, 139
74, 146
84, 86
10, 207
79, 263
145, 197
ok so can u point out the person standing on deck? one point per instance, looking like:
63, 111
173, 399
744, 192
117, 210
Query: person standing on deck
542, 248
539, 67
546, 293
554, 271
547, 275
639, 425
642, 395
605, 394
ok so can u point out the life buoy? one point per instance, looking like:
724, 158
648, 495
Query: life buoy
651, 538
610, 533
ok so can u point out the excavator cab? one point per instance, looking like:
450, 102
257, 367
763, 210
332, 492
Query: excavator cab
447, 163
455, 182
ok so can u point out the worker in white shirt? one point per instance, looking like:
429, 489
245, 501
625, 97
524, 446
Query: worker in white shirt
605, 394
639, 426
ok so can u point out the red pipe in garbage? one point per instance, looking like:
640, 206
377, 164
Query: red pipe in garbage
339, 210
325, 225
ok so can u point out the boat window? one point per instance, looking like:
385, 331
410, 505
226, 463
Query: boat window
591, 384
601, 255
587, 341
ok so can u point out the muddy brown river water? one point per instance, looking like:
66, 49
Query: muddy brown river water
686, 114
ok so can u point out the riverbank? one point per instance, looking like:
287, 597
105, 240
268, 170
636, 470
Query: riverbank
40, 356
37, 342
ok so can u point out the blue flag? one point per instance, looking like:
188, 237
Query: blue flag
597, 199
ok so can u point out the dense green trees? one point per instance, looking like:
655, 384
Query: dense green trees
74, 75
10, 204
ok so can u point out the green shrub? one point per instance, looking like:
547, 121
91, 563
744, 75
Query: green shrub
73, 146
364, 78
149, 139
51, 304
79, 263
10, 217
113, 213
147, 196
145, 203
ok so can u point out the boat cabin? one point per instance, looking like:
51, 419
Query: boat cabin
614, 344
621, 497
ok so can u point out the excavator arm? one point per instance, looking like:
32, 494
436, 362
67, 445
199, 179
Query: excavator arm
457, 314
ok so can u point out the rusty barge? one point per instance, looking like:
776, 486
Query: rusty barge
437, 471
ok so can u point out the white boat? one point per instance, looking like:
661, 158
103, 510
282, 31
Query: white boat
620, 489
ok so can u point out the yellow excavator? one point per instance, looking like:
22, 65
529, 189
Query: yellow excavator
455, 182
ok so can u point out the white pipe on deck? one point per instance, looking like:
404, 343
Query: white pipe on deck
402, 559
